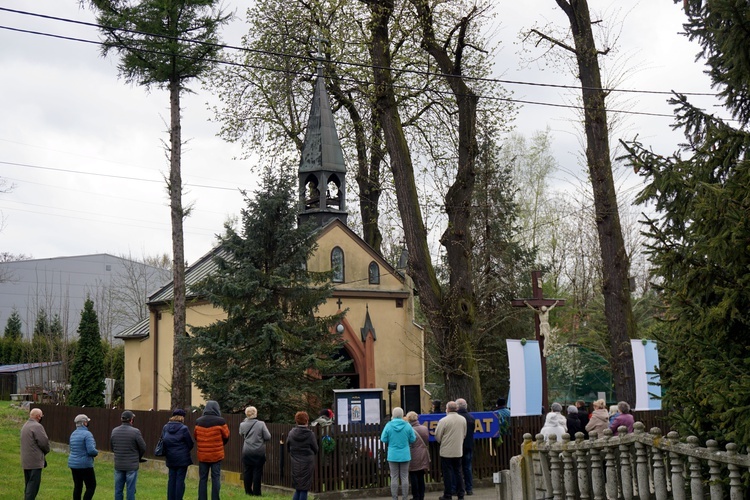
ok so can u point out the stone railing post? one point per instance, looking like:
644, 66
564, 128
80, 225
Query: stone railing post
641, 463
569, 470
597, 475
626, 469
696, 479
678, 479
660, 478
583, 469
610, 465
714, 471
544, 464
555, 467
735, 477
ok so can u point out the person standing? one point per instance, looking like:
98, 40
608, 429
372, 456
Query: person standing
254, 434
34, 446
502, 412
623, 419
554, 423
450, 433
128, 448
420, 456
177, 443
302, 447
599, 420
211, 434
398, 435
468, 451
573, 422
81, 458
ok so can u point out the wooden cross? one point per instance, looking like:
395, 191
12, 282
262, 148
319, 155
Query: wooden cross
537, 303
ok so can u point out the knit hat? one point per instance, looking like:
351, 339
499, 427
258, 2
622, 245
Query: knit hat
81, 419
179, 412
127, 416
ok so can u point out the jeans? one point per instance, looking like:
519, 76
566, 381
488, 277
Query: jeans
33, 479
452, 479
252, 473
299, 495
80, 477
203, 468
466, 469
176, 483
399, 471
127, 479
416, 479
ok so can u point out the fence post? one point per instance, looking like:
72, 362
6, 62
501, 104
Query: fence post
735, 480
678, 479
714, 471
610, 464
641, 463
583, 469
569, 473
627, 471
696, 480
660, 479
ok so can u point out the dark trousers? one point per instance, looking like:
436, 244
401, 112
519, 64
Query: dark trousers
252, 473
33, 479
176, 483
83, 477
416, 479
452, 478
466, 469
203, 470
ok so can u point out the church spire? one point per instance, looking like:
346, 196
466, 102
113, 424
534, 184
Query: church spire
322, 172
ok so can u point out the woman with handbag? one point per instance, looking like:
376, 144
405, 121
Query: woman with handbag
420, 456
254, 435
176, 443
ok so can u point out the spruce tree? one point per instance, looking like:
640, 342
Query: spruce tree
87, 375
271, 350
13, 326
699, 239
41, 327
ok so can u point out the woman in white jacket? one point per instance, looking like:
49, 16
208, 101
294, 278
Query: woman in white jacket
555, 423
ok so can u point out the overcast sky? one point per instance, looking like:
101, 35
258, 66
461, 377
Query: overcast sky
84, 149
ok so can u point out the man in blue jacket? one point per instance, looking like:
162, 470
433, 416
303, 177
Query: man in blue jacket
468, 446
128, 447
81, 458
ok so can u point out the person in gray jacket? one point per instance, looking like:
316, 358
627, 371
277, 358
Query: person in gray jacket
34, 446
254, 434
128, 448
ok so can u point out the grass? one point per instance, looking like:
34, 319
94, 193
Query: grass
57, 483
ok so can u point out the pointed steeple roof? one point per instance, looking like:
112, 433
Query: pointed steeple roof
321, 149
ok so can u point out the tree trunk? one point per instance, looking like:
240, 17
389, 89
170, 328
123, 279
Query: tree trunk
615, 260
451, 314
180, 366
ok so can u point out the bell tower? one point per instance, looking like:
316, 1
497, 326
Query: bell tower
322, 172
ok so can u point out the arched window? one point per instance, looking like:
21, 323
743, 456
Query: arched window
337, 264
373, 273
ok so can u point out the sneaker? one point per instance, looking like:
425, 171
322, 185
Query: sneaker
469, 492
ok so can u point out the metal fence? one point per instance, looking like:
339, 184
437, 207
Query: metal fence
356, 460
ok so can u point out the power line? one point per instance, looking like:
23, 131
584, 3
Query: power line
354, 64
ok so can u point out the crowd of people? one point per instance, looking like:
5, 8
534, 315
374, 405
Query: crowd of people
578, 419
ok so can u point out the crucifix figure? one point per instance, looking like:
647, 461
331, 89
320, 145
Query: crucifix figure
542, 307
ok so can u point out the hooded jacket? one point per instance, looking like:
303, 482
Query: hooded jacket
555, 423
398, 435
598, 422
177, 444
211, 434
420, 448
302, 447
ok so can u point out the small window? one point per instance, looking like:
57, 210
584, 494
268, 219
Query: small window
399, 303
337, 264
108, 267
373, 273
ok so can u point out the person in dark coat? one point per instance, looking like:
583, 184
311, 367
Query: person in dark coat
420, 456
583, 416
468, 446
573, 422
302, 447
128, 448
254, 434
177, 443
81, 458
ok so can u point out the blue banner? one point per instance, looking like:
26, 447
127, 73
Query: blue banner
486, 425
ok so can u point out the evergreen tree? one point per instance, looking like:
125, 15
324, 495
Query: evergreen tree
41, 327
87, 375
271, 350
699, 240
55, 327
13, 326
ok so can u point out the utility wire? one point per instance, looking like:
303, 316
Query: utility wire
346, 63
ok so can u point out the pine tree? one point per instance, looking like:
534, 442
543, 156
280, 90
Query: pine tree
13, 326
41, 327
699, 240
87, 375
271, 350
